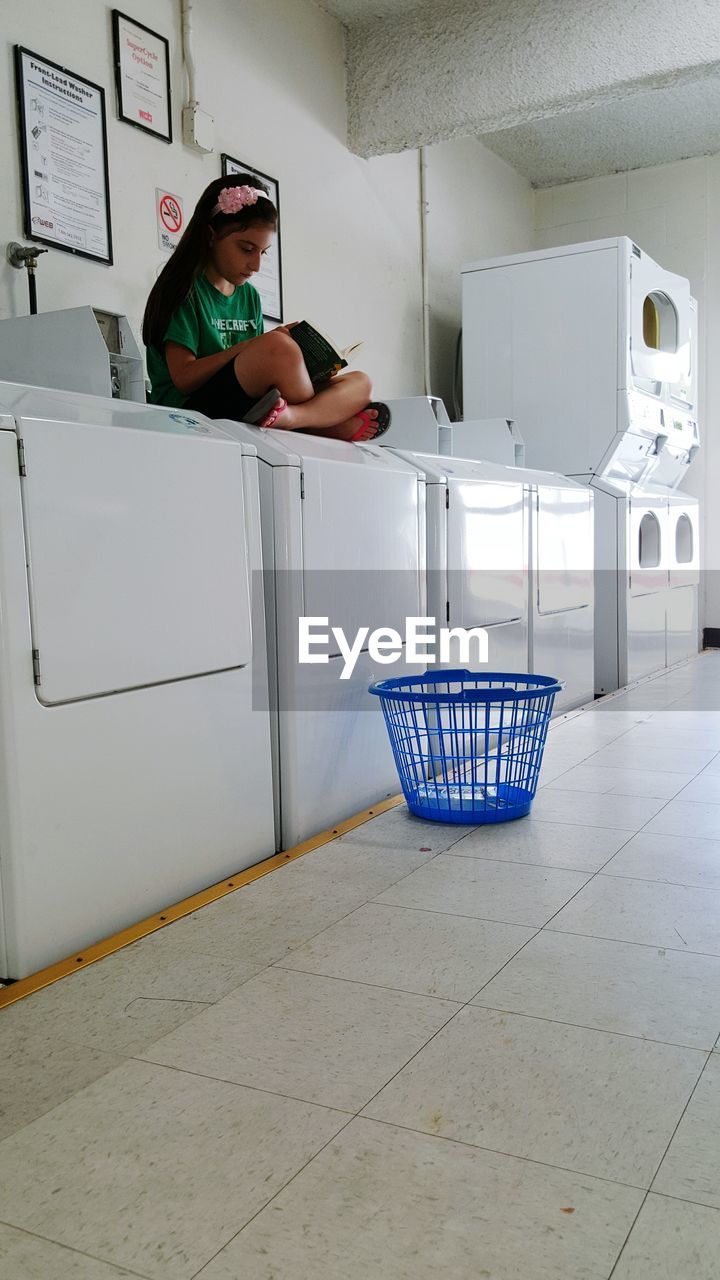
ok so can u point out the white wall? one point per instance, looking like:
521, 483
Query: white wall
272, 73
478, 207
673, 213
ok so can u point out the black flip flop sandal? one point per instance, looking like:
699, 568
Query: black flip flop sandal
262, 407
384, 417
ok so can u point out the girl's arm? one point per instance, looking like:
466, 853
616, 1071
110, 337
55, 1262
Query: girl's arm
189, 372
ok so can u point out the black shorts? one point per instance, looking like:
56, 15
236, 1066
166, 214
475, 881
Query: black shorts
222, 396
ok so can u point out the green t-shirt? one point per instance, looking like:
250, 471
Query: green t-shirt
207, 322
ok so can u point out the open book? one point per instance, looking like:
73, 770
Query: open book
322, 359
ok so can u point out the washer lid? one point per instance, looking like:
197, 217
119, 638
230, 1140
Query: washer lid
136, 551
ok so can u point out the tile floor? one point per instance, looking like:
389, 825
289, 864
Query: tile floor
420, 1051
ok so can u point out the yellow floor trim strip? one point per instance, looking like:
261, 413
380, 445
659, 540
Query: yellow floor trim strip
98, 951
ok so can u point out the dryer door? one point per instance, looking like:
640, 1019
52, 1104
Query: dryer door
136, 552
647, 544
659, 322
684, 541
487, 552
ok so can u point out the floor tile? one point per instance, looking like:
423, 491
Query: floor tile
400, 829
691, 1168
600, 1104
672, 1240
554, 767
695, 721
705, 788
583, 808
663, 759
659, 915
679, 819
26, 1257
682, 737
156, 1170
486, 890
713, 769
622, 782
612, 986
314, 1038
37, 1071
384, 1204
421, 951
592, 729
265, 920
126, 1001
614, 711
671, 859
550, 844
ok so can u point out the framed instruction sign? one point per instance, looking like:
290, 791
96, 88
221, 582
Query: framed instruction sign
142, 76
63, 145
268, 281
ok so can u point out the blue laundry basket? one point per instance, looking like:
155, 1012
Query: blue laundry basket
468, 747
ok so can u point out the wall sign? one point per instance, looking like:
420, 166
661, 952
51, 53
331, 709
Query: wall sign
142, 76
170, 219
268, 281
63, 145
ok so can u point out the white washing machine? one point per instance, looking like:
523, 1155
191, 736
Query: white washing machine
134, 770
516, 548
562, 596
344, 540
419, 423
478, 524
592, 350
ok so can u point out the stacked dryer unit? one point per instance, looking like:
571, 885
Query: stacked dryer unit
508, 548
592, 349
343, 541
134, 769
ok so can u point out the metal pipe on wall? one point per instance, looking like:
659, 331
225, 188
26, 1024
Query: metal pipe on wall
425, 273
188, 57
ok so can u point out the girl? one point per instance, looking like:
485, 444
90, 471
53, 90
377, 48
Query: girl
203, 329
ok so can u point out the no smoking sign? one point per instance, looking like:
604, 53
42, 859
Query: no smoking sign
170, 219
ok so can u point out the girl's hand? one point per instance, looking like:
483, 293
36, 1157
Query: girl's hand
283, 328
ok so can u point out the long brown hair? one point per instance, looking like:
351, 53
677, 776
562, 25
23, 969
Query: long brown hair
181, 271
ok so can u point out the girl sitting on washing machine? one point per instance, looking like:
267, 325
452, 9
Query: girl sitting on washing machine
203, 329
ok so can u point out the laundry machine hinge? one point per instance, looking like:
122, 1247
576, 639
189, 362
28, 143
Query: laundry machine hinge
21, 458
447, 499
447, 610
36, 666
302, 485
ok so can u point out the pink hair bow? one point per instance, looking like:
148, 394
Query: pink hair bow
233, 199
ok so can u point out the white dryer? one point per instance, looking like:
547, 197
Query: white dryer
134, 770
343, 540
592, 348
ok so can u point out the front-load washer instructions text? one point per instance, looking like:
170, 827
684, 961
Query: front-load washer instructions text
64, 152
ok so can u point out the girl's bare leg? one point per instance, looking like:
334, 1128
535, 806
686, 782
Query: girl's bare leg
275, 360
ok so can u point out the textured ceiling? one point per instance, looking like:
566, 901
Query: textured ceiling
647, 128
353, 11
561, 89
